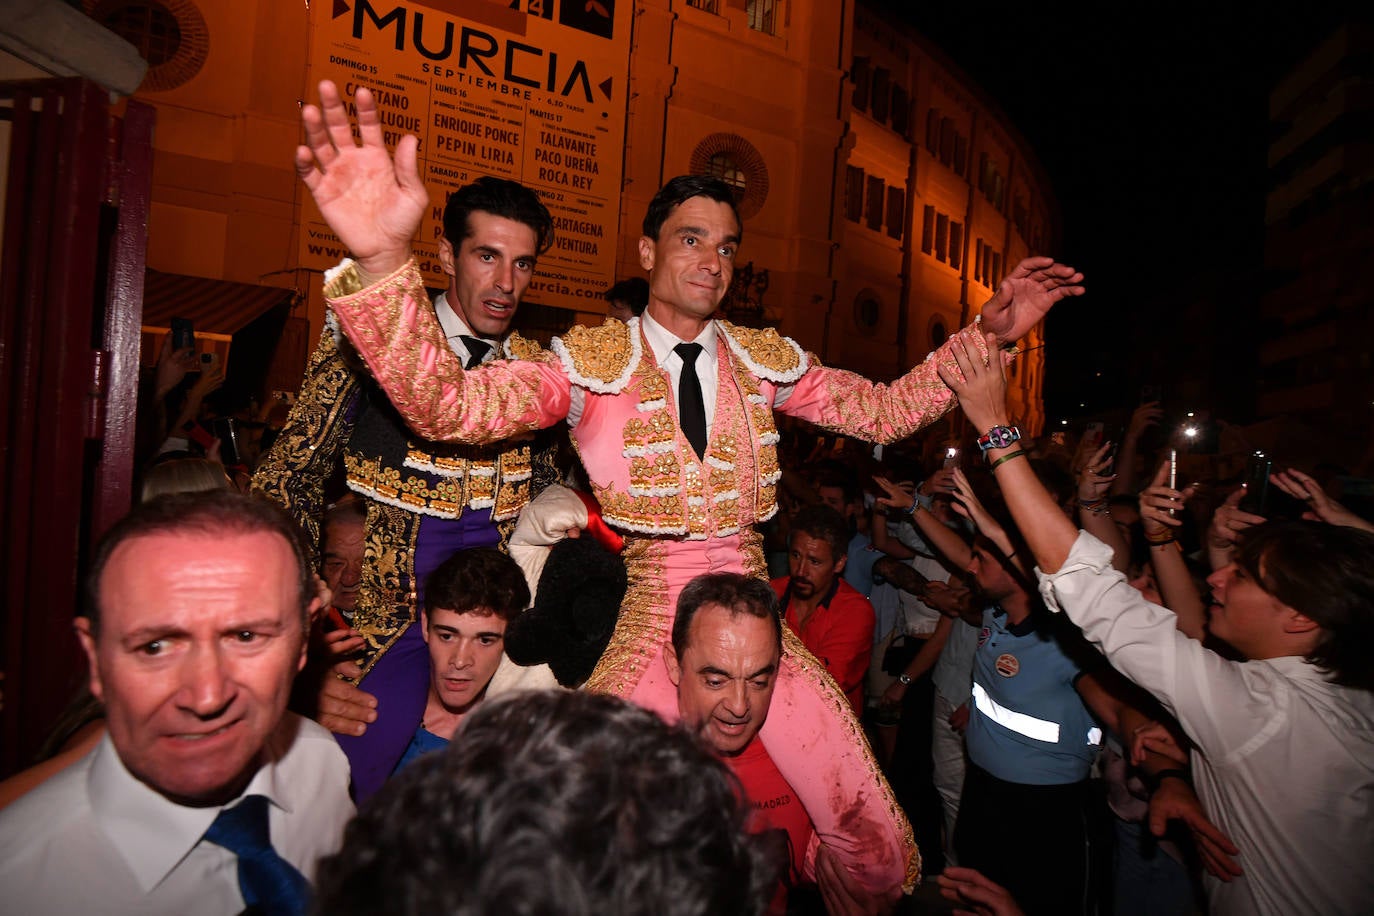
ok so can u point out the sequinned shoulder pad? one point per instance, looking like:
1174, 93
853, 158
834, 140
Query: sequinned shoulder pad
766, 353
600, 359
517, 347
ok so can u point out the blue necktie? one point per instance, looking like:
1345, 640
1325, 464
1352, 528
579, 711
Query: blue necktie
269, 883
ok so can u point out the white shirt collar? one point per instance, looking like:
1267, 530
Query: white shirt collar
153, 833
662, 341
453, 325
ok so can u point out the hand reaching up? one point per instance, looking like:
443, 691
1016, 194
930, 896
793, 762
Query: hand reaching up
373, 203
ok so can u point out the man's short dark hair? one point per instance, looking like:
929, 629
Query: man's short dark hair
682, 189
847, 484
634, 292
1325, 572
478, 579
499, 197
208, 512
739, 594
823, 523
553, 802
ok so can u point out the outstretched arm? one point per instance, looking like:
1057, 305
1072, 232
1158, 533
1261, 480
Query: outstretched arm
1176, 586
982, 392
850, 404
1094, 513
375, 204
1320, 507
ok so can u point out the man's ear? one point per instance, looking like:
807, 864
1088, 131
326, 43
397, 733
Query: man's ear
674, 666
313, 610
82, 625
840, 563
424, 626
446, 257
646, 252
1296, 623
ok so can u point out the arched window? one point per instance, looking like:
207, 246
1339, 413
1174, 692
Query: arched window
724, 167
171, 35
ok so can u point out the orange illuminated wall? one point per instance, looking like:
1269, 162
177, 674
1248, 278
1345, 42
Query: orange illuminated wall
804, 104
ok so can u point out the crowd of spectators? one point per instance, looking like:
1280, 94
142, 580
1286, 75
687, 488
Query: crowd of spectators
1101, 673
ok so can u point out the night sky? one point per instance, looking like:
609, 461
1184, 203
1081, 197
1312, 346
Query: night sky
1154, 134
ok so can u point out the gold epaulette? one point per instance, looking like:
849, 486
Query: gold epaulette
518, 347
602, 358
766, 353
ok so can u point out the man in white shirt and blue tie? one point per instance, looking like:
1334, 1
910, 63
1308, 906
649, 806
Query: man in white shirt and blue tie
205, 795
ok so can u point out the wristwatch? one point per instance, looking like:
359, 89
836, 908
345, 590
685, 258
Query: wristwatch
999, 437
904, 678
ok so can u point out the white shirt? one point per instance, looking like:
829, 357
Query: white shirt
94, 839
451, 320
1285, 760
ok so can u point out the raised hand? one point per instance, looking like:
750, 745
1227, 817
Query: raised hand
1095, 476
373, 204
1142, 418
172, 366
1227, 524
1320, 507
896, 495
1026, 294
981, 389
1159, 504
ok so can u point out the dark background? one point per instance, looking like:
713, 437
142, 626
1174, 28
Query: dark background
1152, 122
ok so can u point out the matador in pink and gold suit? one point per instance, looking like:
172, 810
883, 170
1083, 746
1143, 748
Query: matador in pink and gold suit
681, 516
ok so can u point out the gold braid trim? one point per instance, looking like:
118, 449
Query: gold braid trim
305, 454
386, 595
809, 669
645, 622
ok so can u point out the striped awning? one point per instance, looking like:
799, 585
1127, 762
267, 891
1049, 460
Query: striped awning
214, 306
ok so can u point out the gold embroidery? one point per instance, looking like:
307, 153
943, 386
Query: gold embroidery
645, 622
601, 353
522, 347
386, 595
766, 347
807, 669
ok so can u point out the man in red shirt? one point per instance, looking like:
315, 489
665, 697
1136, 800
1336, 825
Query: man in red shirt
834, 621
724, 657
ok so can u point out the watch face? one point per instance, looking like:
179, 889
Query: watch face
1002, 436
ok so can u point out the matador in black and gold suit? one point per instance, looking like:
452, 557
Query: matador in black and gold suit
425, 500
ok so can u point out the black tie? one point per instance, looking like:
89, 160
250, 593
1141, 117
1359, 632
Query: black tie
691, 406
269, 883
477, 348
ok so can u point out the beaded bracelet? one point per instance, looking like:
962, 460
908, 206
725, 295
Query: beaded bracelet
1019, 453
1095, 506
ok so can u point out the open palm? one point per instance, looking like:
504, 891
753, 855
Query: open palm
373, 203
1026, 294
